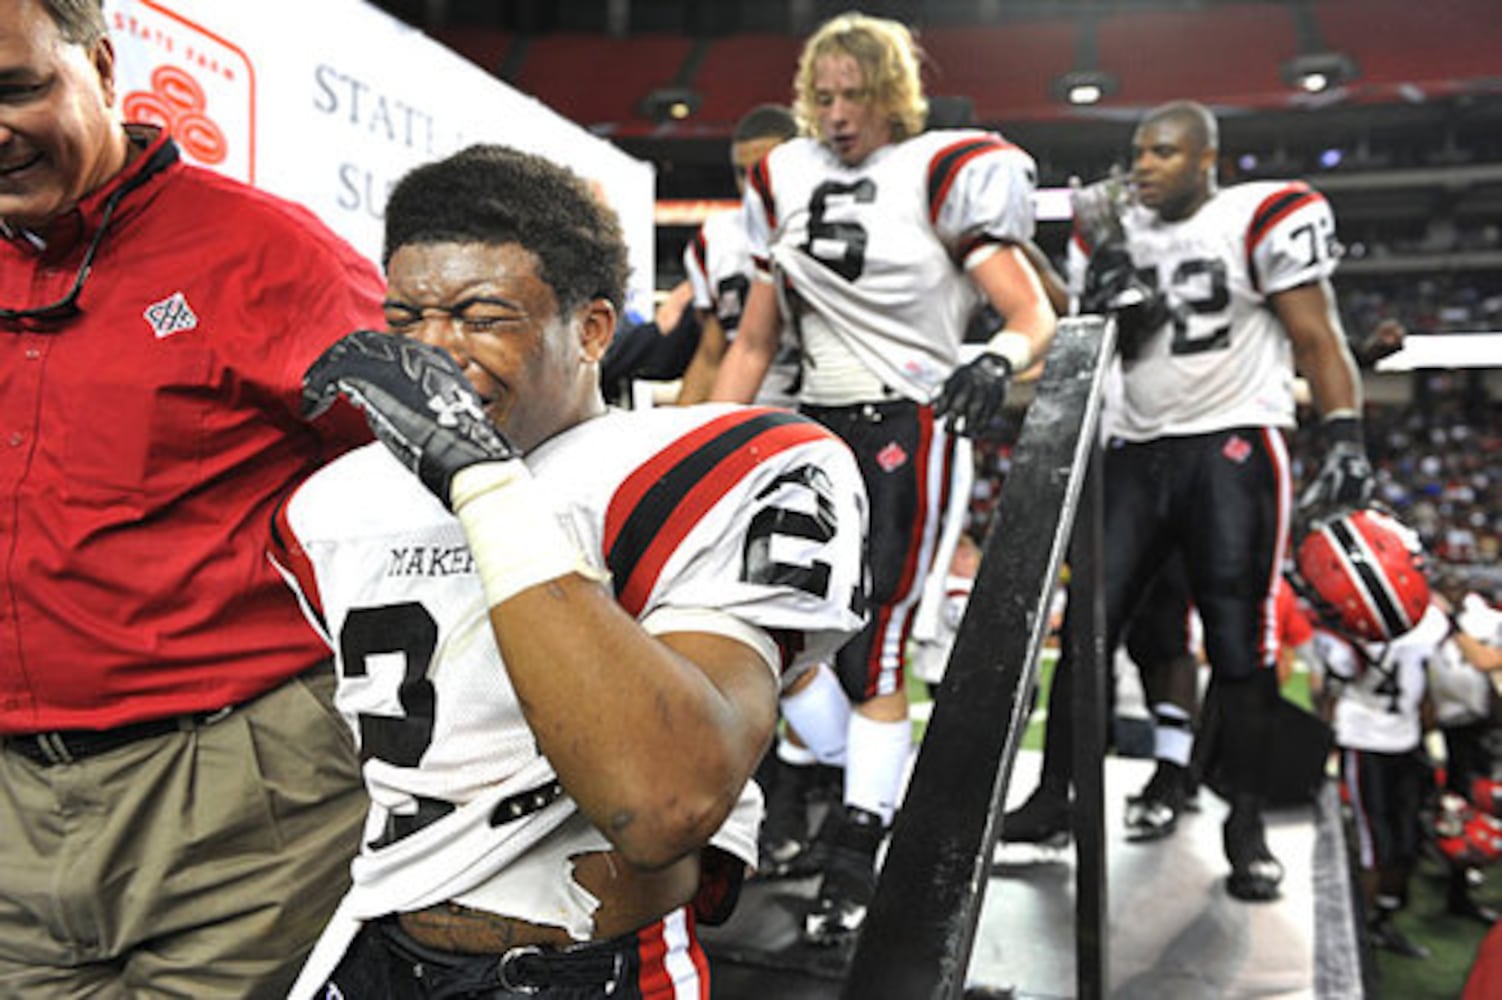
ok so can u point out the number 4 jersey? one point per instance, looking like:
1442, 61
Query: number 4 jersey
699, 514
1225, 360
1381, 699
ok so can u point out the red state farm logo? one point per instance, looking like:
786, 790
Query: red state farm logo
1236, 449
176, 102
891, 458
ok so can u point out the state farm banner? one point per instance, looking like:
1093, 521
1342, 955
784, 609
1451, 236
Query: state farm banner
329, 102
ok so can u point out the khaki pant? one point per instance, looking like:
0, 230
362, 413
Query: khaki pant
198, 864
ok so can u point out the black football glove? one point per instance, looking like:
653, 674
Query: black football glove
1113, 286
1345, 477
974, 393
416, 399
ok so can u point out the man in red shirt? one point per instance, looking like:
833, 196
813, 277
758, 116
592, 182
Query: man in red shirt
179, 801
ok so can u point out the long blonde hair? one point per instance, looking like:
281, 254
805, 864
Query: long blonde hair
889, 59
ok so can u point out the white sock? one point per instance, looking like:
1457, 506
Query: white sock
877, 755
820, 715
1173, 736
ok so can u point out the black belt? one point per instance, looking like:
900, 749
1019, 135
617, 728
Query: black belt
66, 746
601, 966
873, 412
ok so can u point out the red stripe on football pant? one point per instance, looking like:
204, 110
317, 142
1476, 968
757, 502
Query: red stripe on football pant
652, 979
884, 614
696, 953
1277, 454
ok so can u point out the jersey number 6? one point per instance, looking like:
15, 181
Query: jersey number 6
839, 246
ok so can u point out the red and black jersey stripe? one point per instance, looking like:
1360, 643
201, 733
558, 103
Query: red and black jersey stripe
946, 164
1274, 209
666, 497
701, 253
760, 179
1077, 237
287, 552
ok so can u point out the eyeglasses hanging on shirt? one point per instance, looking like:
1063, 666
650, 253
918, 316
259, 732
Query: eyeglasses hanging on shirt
67, 306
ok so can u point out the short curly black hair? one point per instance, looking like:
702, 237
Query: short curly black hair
495, 195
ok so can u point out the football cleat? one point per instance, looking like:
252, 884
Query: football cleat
849, 882
1043, 819
784, 832
1153, 813
1255, 873
1384, 934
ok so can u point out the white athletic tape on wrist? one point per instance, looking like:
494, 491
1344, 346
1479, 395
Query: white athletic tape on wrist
1013, 346
515, 535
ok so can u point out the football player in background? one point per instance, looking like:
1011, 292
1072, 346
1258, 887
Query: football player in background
1363, 574
559, 628
1218, 295
878, 241
718, 263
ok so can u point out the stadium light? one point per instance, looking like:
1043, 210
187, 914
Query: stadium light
1316, 72
1084, 87
669, 104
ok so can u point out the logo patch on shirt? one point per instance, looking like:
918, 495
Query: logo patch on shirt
1237, 449
171, 315
891, 458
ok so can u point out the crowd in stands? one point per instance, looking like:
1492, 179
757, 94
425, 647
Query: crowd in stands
1451, 304
1438, 461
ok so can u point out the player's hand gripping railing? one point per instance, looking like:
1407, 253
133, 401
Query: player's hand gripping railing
919, 932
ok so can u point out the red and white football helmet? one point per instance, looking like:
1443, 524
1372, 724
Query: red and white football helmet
1363, 572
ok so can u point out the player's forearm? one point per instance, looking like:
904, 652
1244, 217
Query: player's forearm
755, 347
1013, 287
699, 377
1319, 347
654, 749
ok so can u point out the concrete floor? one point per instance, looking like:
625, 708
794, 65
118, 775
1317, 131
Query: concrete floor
1174, 931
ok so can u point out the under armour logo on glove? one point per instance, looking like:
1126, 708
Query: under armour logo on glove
1344, 481
454, 407
1345, 478
416, 400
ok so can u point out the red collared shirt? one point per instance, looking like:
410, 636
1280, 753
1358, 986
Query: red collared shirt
145, 441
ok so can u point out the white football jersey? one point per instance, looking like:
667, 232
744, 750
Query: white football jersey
873, 256
1383, 684
753, 513
718, 263
1225, 360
